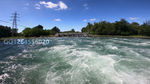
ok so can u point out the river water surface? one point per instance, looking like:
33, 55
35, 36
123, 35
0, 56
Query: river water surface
77, 61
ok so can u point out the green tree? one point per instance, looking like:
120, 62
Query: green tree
72, 30
14, 32
5, 31
122, 27
38, 31
134, 28
84, 29
55, 30
89, 27
27, 32
144, 30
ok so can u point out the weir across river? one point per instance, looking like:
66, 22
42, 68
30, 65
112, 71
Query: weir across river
71, 35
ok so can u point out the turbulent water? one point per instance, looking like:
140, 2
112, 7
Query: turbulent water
77, 61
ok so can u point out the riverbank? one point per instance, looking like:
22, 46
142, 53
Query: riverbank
109, 36
21, 37
115, 36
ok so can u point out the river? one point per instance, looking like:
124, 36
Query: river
77, 61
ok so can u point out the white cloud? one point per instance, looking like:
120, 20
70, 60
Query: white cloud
57, 6
48, 4
37, 6
134, 18
62, 5
93, 19
85, 20
58, 20
86, 6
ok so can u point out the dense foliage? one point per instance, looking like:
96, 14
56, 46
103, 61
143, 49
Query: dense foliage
5, 31
39, 31
121, 27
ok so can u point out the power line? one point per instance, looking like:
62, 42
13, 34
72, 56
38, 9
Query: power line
5, 21
11, 23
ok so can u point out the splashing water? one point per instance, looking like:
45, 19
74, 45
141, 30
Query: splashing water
77, 61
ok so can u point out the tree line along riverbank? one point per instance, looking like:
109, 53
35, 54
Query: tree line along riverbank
120, 28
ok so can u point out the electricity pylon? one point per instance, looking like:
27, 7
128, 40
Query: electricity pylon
14, 24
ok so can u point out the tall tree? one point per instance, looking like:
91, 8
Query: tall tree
55, 30
27, 32
5, 31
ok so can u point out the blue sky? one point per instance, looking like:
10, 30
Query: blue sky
68, 14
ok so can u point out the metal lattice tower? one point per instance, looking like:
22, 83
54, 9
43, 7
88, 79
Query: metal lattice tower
14, 24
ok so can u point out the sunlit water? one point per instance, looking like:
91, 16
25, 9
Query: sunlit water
77, 61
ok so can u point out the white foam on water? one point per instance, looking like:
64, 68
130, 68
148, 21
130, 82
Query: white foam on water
133, 42
2, 62
25, 51
27, 56
33, 67
85, 62
11, 57
3, 77
52, 78
61, 48
130, 77
94, 42
112, 47
73, 64
145, 43
43, 49
135, 55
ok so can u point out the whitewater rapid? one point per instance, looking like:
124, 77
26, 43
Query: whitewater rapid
77, 61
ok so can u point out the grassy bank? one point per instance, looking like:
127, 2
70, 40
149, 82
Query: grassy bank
116, 36
21, 37
111, 36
